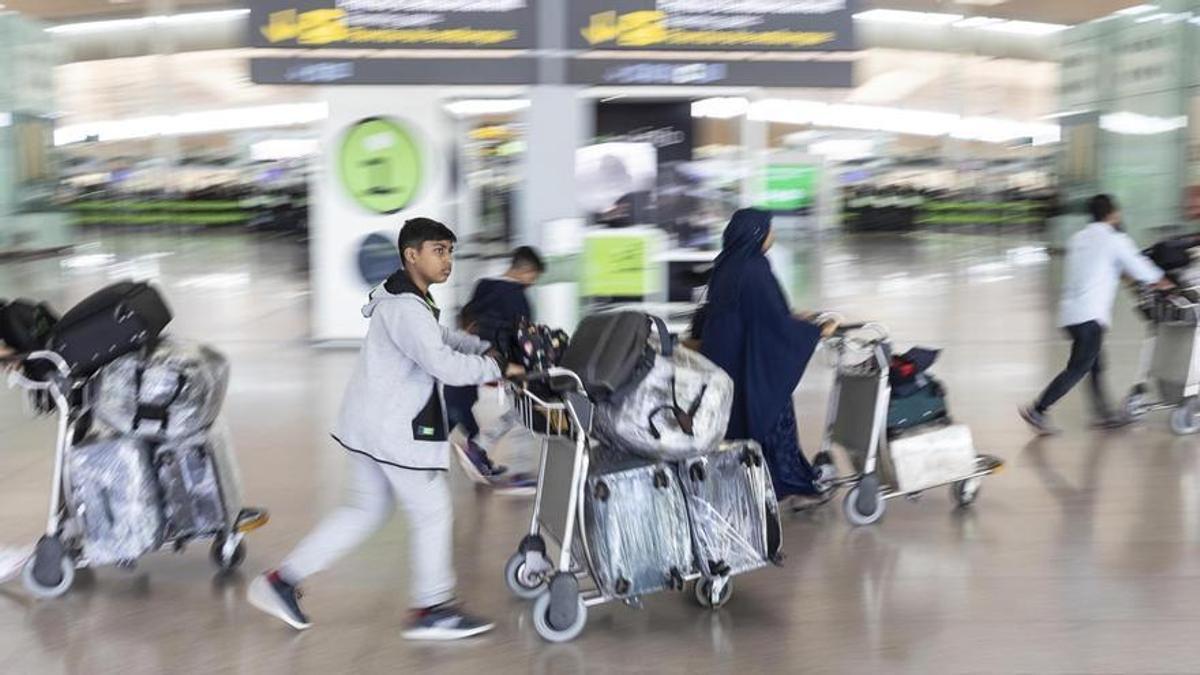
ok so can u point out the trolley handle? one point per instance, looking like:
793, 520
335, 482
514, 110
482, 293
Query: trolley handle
18, 377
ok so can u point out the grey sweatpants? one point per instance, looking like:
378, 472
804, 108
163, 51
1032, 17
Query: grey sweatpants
371, 494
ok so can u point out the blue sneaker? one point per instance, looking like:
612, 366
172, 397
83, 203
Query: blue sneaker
445, 622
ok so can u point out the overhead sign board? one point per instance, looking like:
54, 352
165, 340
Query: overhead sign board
394, 24
631, 72
712, 25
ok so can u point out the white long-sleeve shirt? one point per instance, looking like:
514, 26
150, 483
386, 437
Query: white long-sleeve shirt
1097, 256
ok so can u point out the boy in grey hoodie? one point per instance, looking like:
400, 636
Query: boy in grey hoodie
393, 426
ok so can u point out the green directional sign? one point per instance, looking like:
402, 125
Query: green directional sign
380, 165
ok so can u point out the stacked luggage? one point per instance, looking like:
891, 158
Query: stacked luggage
144, 459
665, 500
889, 414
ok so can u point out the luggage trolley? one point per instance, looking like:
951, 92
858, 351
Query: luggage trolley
50, 571
552, 581
1170, 359
856, 420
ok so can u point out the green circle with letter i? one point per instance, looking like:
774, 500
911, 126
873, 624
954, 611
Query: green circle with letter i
380, 165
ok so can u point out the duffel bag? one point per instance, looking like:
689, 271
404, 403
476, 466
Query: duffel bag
174, 391
679, 409
924, 404
611, 352
109, 324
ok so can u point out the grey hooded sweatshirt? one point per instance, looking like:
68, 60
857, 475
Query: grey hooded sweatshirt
393, 411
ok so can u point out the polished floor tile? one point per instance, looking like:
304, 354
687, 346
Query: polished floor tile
1081, 557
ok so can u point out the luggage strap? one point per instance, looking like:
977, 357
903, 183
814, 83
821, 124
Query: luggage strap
155, 413
685, 418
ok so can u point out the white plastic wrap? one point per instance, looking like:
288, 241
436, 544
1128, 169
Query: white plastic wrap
928, 459
735, 517
201, 488
114, 498
638, 529
687, 381
183, 381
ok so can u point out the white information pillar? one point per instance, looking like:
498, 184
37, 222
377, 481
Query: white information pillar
341, 221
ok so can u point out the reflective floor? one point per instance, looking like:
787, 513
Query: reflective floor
1082, 557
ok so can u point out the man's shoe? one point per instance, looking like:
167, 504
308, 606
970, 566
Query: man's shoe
1039, 421
271, 594
445, 622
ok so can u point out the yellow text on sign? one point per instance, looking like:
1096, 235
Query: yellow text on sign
634, 29
315, 27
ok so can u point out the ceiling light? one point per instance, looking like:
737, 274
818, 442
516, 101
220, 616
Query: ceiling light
1026, 27
1136, 124
142, 23
721, 108
212, 121
977, 22
1136, 9
907, 17
486, 106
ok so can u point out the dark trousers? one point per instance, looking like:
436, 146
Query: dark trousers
459, 402
1087, 343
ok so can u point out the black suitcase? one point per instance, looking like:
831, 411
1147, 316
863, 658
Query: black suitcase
26, 325
108, 324
611, 352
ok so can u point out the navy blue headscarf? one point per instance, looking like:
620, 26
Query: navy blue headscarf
750, 331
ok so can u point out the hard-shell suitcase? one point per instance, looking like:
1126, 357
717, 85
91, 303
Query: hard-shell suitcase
174, 391
638, 527
734, 512
108, 324
200, 488
114, 497
611, 352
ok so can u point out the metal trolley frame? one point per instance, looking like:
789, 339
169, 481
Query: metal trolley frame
50, 571
563, 583
856, 420
1169, 361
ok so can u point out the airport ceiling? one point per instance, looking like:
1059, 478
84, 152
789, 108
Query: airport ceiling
1051, 11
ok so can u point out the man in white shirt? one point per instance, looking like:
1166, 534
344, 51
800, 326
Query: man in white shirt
1097, 257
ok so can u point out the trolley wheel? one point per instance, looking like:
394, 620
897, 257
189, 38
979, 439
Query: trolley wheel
964, 492
1185, 420
227, 554
1135, 404
708, 598
50, 571
551, 633
858, 508
519, 582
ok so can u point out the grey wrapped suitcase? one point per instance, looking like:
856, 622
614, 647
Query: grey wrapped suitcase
175, 391
114, 496
200, 487
680, 408
637, 527
734, 513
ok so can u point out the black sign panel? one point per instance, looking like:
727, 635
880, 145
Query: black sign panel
624, 72
712, 25
394, 24
272, 70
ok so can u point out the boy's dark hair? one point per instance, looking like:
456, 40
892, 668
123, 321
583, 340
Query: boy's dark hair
527, 256
1101, 207
417, 231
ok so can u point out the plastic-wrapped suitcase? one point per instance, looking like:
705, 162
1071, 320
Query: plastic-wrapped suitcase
200, 485
114, 496
679, 410
734, 512
108, 324
175, 391
637, 526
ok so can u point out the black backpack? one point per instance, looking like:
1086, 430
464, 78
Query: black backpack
25, 326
